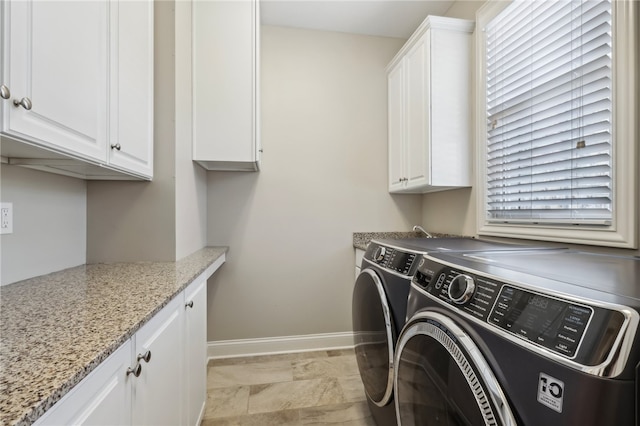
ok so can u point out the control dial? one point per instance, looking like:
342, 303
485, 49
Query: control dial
461, 289
379, 254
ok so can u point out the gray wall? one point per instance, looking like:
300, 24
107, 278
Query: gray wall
164, 219
191, 179
49, 229
290, 267
129, 221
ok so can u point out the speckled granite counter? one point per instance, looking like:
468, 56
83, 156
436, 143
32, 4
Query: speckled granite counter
362, 239
56, 328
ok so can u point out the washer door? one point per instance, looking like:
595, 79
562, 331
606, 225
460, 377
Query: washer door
374, 337
442, 378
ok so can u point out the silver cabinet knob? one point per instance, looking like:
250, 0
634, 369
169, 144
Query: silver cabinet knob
5, 93
189, 304
135, 370
24, 103
116, 146
146, 357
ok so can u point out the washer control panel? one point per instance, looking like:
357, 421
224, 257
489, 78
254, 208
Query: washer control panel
393, 259
554, 323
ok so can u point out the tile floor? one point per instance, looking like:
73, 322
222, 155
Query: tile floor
310, 388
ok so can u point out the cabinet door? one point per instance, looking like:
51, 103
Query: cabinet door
195, 350
157, 391
56, 59
131, 96
395, 87
101, 398
225, 95
417, 115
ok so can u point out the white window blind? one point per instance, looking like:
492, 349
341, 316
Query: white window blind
549, 110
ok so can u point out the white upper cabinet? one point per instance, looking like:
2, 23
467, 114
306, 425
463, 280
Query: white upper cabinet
429, 108
226, 45
78, 80
131, 95
56, 66
396, 129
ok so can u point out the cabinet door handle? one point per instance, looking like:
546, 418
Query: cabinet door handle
5, 93
116, 146
189, 304
146, 357
135, 370
24, 103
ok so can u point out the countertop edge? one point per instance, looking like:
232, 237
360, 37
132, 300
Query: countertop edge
361, 239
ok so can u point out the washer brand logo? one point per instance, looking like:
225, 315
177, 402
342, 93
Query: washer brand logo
550, 392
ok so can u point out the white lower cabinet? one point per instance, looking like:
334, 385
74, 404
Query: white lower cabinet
158, 377
195, 353
102, 398
159, 352
359, 257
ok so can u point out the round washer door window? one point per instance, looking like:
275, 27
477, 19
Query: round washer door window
373, 336
442, 378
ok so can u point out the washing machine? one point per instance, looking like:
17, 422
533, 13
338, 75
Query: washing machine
380, 305
526, 338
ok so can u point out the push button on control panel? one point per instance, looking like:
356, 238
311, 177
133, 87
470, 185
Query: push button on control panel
440, 281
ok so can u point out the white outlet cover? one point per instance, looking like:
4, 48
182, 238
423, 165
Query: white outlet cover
6, 218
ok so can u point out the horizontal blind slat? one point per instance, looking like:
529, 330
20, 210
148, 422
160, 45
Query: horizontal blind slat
549, 101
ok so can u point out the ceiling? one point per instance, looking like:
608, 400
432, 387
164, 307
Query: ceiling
389, 18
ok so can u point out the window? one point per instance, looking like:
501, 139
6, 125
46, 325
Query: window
556, 121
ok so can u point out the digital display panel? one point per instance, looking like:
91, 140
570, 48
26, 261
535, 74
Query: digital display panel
401, 261
555, 324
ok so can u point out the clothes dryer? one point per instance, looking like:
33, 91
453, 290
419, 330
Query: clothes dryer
527, 338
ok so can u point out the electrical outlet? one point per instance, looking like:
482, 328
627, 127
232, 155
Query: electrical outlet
6, 218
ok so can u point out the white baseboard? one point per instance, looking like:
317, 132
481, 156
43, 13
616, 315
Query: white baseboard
277, 345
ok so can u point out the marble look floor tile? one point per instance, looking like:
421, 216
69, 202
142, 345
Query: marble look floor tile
335, 366
225, 402
341, 352
277, 418
297, 394
249, 374
268, 358
352, 388
354, 414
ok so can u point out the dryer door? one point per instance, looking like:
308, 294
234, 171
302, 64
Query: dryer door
374, 337
442, 377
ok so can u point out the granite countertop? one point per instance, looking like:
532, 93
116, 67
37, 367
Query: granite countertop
56, 328
361, 239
